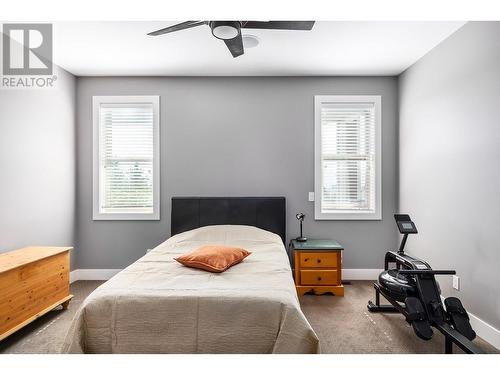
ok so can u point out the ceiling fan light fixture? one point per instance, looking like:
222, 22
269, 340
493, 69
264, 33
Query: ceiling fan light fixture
250, 41
225, 30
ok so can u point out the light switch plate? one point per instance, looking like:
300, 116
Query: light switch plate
311, 196
456, 282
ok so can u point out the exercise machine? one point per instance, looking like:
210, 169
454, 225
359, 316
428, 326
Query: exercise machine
412, 290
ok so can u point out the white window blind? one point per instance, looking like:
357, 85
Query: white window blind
127, 158
347, 164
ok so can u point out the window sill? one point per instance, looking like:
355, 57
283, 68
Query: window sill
130, 217
348, 216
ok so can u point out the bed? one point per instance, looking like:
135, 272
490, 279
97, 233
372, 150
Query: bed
158, 306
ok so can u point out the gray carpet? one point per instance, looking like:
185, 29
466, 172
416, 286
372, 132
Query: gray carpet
342, 324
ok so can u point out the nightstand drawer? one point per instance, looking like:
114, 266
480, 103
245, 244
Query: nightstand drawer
318, 260
313, 277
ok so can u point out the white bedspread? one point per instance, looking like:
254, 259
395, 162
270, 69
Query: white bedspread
157, 305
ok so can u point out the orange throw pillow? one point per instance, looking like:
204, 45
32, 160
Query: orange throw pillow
213, 258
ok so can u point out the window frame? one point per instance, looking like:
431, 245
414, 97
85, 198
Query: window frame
139, 99
318, 176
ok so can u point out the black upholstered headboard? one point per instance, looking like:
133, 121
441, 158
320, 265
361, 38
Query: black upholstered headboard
268, 213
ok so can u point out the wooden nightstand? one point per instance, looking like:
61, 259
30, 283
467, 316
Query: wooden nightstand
318, 266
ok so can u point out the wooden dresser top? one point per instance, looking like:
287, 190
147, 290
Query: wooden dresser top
20, 257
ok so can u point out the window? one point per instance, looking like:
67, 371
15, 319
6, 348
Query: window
126, 158
348, 158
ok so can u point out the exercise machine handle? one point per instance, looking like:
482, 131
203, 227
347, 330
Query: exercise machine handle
428, 272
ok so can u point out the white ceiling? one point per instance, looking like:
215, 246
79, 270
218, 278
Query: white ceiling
331, 48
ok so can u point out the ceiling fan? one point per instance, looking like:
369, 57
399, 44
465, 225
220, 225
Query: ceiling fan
230, 31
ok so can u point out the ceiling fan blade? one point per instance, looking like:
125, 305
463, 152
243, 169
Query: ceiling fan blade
235, 45
278, 25
178, 27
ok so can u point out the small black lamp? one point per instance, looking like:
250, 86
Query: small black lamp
300, 217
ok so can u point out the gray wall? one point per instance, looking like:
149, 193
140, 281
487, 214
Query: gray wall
37, 165
239, 137
449, 154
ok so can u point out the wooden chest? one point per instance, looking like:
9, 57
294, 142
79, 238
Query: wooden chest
318, 267
33, 280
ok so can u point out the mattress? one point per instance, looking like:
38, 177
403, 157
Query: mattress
156, 305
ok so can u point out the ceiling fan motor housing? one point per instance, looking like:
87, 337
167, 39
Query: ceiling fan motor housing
225, 30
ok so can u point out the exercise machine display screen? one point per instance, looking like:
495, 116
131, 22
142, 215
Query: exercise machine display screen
405, 225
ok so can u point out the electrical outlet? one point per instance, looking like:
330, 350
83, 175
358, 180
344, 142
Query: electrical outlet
456, 282
311, 196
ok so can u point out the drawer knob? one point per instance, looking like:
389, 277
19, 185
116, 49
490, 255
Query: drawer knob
319, 278
319, 260
305, 260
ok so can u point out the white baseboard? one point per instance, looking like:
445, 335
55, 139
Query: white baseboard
92, 274
360, 273
484, 330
